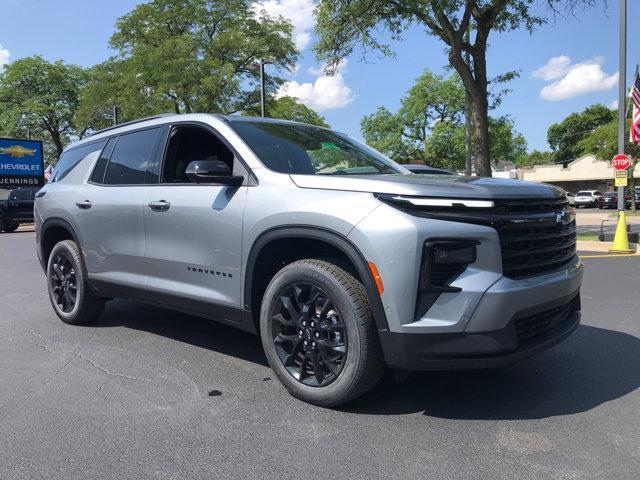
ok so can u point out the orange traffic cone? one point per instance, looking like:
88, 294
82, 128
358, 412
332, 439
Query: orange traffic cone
621, 239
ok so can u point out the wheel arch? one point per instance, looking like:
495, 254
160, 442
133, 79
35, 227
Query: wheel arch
54, 230
317, 234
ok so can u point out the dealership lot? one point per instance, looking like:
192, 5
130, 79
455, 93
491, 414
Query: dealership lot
149, 393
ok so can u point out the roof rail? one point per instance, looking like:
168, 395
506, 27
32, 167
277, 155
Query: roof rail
124, 124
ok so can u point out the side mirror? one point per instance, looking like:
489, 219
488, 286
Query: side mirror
212, 171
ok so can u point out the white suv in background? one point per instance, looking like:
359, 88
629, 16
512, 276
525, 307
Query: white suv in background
587, 198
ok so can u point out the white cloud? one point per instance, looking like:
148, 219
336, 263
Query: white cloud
614, 104
325, 93
572, 80
298, 12
4, 56
555, 68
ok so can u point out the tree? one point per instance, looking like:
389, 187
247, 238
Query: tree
429, 126
289, 108
344, 24
189, 56
536, 157
41, 98
431, 101
603, 144
564, 137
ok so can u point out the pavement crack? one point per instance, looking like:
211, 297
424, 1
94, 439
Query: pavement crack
104, 370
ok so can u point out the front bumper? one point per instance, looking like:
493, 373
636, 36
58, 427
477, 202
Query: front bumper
527, 333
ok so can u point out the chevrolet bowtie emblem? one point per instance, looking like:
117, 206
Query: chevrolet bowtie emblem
18, 151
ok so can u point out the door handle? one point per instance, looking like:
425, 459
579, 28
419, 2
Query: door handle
159, 206
86, 205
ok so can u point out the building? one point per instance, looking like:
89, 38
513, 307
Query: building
584, 173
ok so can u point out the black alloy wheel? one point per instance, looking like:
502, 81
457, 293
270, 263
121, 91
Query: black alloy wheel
309, 334
64, 282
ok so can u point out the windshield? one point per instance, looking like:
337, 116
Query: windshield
584, 194
307, 150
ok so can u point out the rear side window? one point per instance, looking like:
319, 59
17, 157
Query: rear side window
101, 165
133, 158
70, 158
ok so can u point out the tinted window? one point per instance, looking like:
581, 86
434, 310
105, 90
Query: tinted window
70, 158
133, 158
101, 165
584, 194
303, 149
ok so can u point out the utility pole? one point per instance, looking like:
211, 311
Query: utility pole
115, 115
263, 96
622, 91
467, 123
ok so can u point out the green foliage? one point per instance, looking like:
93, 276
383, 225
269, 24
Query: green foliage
429, 127
603, 143
289, 108
431, 101
564, 137
536, 157
40, 98
188, 56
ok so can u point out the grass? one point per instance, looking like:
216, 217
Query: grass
627, 213
590, 237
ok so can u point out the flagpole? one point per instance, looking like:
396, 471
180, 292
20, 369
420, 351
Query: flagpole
622, 90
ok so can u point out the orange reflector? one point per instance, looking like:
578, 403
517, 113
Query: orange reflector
376, 277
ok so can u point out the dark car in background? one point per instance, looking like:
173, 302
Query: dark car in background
17, 209
425, 169
610, 200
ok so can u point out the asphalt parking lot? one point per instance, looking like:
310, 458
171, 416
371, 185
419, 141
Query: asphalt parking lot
149, 393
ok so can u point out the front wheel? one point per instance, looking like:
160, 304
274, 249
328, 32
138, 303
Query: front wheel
69, 292
318, 333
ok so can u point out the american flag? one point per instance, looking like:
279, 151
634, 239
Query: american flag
634, 136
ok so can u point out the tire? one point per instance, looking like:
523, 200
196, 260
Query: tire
311, 300
66, 274
12, 227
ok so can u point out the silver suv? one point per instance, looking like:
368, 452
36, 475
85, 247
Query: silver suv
341, 260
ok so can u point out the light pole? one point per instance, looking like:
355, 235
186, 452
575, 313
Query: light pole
263, 95
622, 90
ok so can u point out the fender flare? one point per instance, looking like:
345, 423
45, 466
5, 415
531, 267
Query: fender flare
331, 237
56, 222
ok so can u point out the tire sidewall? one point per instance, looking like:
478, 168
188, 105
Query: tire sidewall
66, 248
332, 392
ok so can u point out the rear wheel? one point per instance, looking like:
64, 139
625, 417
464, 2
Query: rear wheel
318, 333
69, 291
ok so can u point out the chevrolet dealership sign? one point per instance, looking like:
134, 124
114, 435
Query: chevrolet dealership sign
21, 163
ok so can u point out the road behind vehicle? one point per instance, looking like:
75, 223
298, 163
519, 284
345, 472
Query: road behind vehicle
341, 260
587, 198
18, 208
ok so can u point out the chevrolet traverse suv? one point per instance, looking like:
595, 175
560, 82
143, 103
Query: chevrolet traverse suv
341, 260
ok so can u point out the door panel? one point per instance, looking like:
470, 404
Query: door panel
110, 221
193, 244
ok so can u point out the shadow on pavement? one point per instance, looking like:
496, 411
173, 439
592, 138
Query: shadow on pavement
196, 331
590, 368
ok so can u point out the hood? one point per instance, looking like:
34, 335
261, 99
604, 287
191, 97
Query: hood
432, 186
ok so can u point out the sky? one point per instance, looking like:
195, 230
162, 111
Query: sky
564, 66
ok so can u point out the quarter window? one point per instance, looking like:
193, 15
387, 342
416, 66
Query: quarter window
101, 165
133, 158
70, 158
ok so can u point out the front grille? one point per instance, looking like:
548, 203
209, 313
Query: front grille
540, 238
529, 251
545, 322
536, 236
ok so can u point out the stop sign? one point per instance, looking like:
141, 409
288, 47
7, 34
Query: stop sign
621, 162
